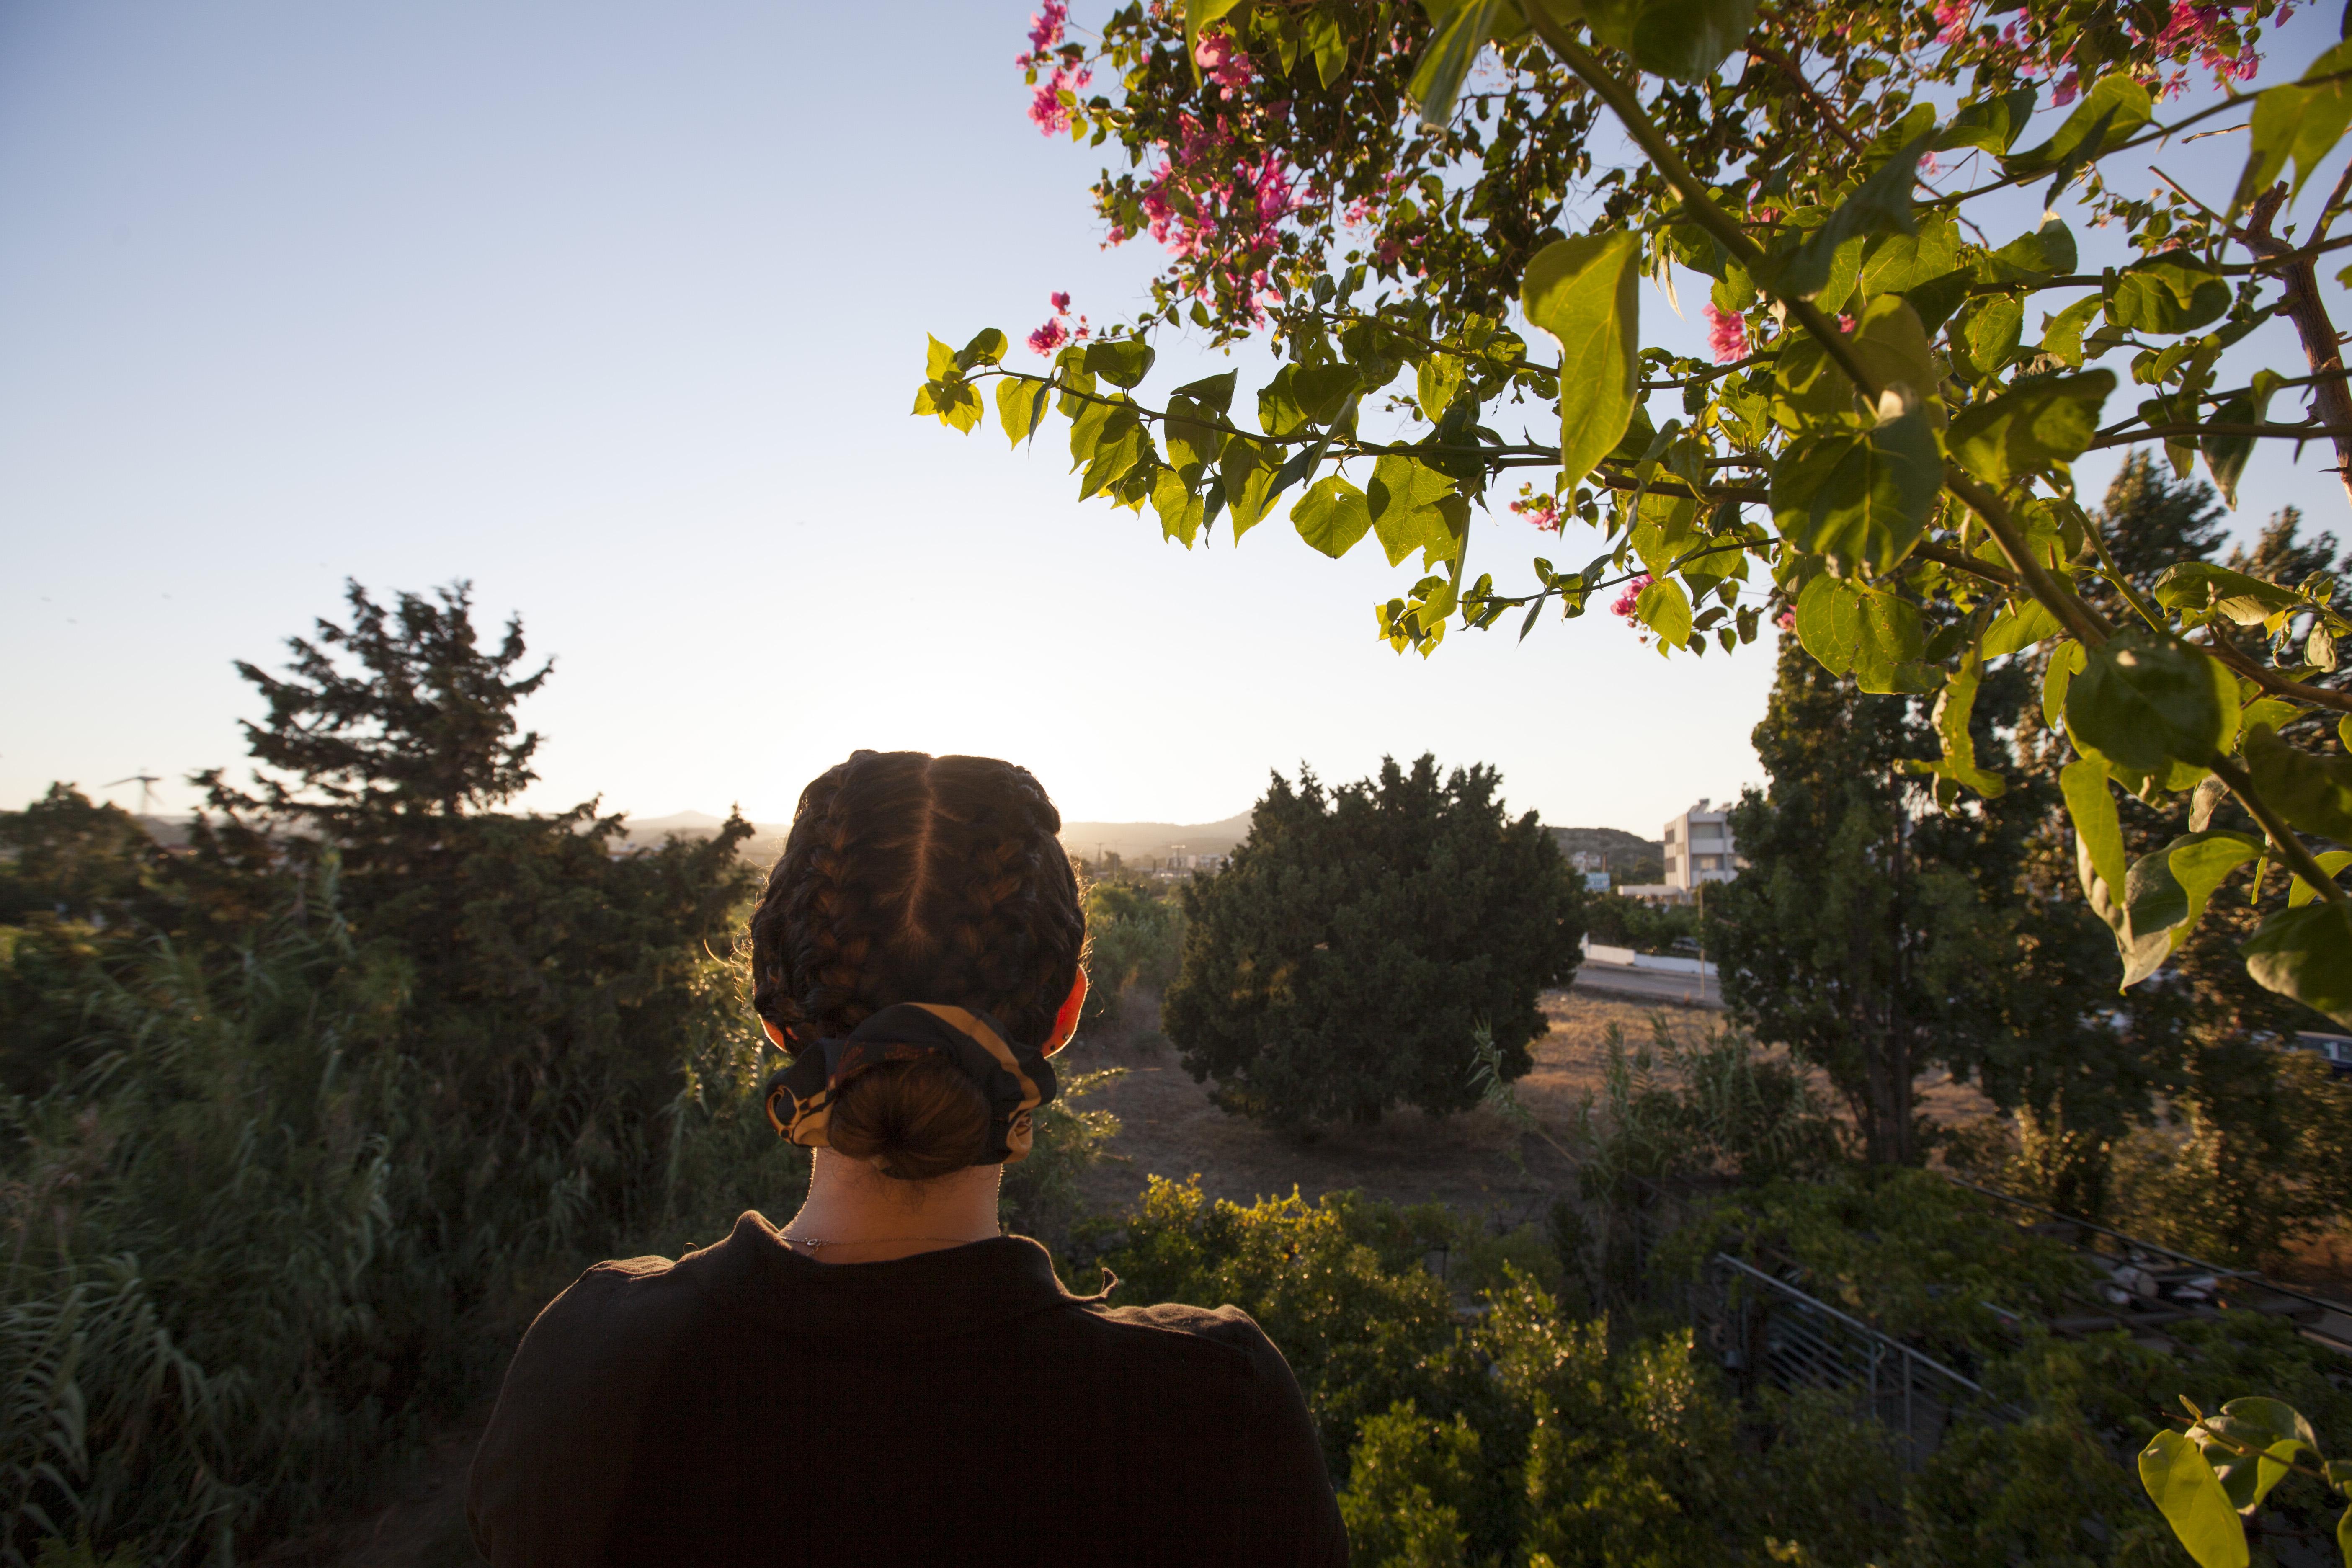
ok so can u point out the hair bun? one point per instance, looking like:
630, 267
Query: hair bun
914, 1120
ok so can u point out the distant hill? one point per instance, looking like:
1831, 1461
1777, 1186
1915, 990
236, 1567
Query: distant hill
1615, 841
1154, 841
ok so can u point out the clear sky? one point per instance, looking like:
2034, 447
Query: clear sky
617, 311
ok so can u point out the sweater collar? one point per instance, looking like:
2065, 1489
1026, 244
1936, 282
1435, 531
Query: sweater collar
930, 1296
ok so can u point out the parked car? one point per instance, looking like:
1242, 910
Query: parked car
2335, 1050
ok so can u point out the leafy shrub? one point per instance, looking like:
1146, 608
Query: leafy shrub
1904, 1249
235, 1278
1135, 939
1343, 962
1613, 919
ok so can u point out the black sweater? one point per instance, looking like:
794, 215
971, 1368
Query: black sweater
747, 1405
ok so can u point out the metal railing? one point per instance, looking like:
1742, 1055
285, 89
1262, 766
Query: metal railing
1765, 1329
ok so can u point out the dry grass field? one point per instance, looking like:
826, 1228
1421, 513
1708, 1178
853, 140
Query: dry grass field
1169, 1127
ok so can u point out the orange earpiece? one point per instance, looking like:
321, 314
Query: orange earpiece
1065, 1021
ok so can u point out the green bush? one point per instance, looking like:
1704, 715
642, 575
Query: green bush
1135, 939
1345, 960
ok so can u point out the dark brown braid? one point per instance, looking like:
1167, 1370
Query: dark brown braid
910, 878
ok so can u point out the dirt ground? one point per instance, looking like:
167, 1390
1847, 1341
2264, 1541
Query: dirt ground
1168, 1127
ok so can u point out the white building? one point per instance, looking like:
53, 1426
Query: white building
1699, 847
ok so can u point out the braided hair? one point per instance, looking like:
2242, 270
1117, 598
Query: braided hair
910, 878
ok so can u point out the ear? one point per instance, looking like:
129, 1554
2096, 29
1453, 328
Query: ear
777, 1035
1065, 1021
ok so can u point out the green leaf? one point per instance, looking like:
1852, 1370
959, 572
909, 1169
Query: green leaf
2083, 783
2145, 701
2173, 900
2307, 954
1247, 470
1407, 503
2167, 293
1665, 609
1456, 35
987, 347
939, 361
1122, 362
2313, 793
2116, 107
1021, 406
2062, 335
956, 403
1991, 123
1586, 293
1665, 527
1328, 41
1684, 40
2226, 456
1860, 498
1880, 205
2020, 625
1850, 628
1300, 395
2196, 586
1181, 513
2065, 663
2300, 892
1215, 391
2025, 430
1898, 263
2296, 120
1109, 439
1953, 709
1993, 332
2046, 253
1194, 441
1893, 346
1331, 516
2188, 1494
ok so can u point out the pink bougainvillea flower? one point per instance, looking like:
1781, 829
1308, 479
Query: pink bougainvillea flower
1540, 511
1222, 61
2068, 86
1785, 620
1952, 17
1047, 112
1061, 298
1726, 335
1846, 324
1048, 338
1631, 599
1045, 27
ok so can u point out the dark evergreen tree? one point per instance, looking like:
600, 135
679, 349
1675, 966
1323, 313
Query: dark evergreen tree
1345, 960
550, 971
1877, 938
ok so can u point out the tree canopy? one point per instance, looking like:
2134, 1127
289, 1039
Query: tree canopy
1347, 959
1414, 206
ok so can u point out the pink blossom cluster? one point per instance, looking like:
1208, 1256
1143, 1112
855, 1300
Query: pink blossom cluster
1222, 61
1209, 198
2190, 28
2198, 28
1059, 329
1785, 620
1626, 602
1047, 112
1542, 511
1727, 336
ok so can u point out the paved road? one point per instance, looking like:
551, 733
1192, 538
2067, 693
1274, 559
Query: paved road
1649, 984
